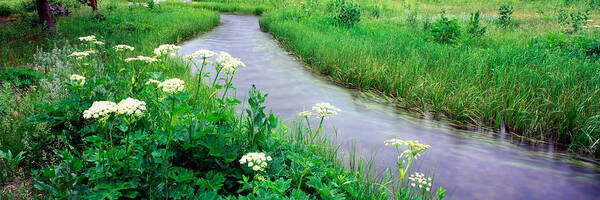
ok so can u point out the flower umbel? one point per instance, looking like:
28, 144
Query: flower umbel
165, 49
256, 161
420, 181
305, 114
131, 107
122, 47
77, 80
324, 110
172, 86
228, 62
80, 54
152, 81
90, 38
202, 53
143, 59
100, 110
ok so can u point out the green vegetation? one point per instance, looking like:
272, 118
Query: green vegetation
84, 116
529, 69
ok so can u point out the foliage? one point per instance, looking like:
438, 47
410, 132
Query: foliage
505, 12
19, 77
445, 30
474, 28
345, 12
9, 164
575, 20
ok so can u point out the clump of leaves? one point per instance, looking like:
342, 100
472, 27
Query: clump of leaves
575, 20
345, 13
9, 164
445, 30
474, 28
505, 18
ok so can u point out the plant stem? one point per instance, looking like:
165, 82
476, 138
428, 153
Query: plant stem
227, 86
216, 77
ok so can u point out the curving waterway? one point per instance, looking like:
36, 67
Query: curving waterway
471, 164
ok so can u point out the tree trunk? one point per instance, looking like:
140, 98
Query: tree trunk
94, 5
43, 10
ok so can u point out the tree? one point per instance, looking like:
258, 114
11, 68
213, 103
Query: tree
43, 10
94, 5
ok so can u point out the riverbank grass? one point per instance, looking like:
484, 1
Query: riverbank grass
531, 67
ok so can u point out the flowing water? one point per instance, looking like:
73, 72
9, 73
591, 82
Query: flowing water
471, 164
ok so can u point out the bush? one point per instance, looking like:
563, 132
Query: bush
474, 28
505, 18
445, 30
345, 13
576, 20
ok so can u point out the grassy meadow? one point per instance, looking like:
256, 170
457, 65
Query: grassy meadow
102, 110
531, 66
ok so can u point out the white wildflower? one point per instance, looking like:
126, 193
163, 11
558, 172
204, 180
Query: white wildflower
256, 161
414, 147
100, 110
143, 59
122, 47
77, 79
419, 180
325, 110
81, 54
131, 106
98, 43
90, 38
152, 81
203, 53
305, 114
228, 62
172, 86
165, 49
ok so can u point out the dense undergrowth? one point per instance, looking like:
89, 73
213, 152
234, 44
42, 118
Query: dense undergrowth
532, 66
89, 118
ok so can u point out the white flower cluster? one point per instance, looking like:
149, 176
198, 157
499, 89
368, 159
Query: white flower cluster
143, 59
420, 180
165, 49
131, 106
122, 47
81, 54
324, 110
256, 161
77, 79
228, 62
202, 53
305, 114
98, 43
152, 81
90, 38
100, 110
413, 145
171, 86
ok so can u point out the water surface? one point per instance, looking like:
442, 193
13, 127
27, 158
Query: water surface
474, 164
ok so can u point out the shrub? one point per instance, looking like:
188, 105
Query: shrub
345, 13
576, 20
594, 4
445, 30
474, 28
505, 18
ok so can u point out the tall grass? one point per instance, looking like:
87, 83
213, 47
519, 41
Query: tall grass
533, 91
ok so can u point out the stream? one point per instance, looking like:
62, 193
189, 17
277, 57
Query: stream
470, 164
